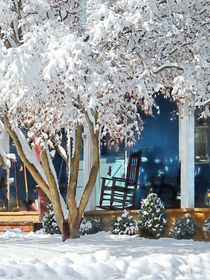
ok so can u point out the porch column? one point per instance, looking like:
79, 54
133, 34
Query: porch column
87, 163
186, 157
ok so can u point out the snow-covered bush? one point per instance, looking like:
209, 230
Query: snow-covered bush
124, 225
91, 226
206, 227
183, 228
49, 223
152, 217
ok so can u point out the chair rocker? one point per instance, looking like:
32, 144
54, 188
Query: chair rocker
121, 192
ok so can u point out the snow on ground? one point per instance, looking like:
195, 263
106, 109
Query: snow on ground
103, 256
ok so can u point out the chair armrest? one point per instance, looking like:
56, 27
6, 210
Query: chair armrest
156, 180
164, 179
169, 176
119, 179
106, 178
114, 179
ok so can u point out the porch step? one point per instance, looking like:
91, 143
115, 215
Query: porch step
24, 226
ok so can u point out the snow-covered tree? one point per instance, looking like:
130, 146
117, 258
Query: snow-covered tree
53, 78
167, 41
91, 226
183, 228
49, 223
206, 227
124, 225
57, 72
152, 217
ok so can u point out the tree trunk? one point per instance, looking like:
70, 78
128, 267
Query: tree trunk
68, 227
71, 226
75, 214
74, 222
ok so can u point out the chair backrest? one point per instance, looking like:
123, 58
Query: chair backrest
133, 168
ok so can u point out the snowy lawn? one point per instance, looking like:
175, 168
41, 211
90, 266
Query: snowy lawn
38, 256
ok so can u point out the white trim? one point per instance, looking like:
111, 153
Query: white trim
186, 157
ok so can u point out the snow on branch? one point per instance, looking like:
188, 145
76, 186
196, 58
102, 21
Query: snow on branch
4, 146
11, 156
62, 152
30, 153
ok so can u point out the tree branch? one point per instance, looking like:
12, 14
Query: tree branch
32, 169
75, 166
1, 160
95, 166
74, 171
55, 196
167, 66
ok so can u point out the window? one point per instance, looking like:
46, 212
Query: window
202, 143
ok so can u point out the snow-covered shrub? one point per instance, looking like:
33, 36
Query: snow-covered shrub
152, 217
206, 227
91, 226
49, 223
124, 225
183, 228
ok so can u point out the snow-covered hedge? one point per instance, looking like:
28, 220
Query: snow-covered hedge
91, 226
124, 225
206, 227
49, 223
183, 228
152, 217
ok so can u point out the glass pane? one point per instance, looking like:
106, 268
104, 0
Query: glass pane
202, 167
201, 143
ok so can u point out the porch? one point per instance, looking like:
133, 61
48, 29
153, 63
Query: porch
175, 156
164, 144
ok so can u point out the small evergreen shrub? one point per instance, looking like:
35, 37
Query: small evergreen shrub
152, 217
206, 227
49, 223
91, 226
183, 228
124, 225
